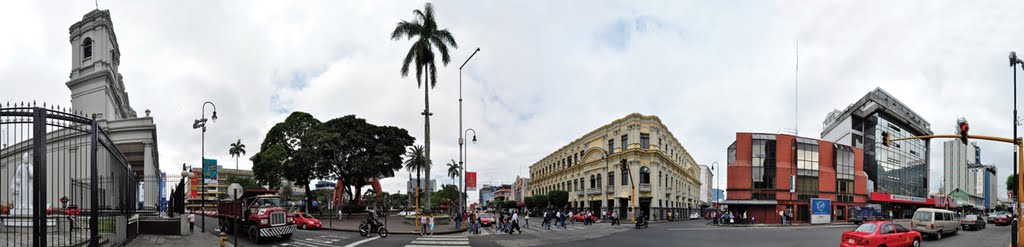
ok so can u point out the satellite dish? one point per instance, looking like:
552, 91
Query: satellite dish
235, 190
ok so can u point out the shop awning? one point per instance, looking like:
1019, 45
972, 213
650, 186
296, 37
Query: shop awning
886, 197
749, 202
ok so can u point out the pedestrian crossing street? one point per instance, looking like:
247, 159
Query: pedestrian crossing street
536, 230
438, 241
318, 241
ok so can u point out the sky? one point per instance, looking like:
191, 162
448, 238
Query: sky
548, 71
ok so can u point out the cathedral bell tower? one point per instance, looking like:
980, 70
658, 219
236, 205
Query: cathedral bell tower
95, 83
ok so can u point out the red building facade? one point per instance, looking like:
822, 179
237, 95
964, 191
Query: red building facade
762, 168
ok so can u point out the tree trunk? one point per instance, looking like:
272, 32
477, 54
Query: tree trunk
417, 195
426, 123
309, 198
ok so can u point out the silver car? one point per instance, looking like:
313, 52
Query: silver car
935, 222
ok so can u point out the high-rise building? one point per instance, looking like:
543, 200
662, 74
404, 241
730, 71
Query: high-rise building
956, 158
897, 174
486, 194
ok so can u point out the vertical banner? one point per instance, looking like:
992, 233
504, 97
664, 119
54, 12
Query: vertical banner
470, 181
195, 184
210, 168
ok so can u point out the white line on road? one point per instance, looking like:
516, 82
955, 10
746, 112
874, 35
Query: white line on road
441, 242
357, 243
765, 227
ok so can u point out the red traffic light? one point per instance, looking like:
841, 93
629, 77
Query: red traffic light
963, 128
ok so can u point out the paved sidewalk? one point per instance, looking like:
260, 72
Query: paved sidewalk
195, 240
395, 225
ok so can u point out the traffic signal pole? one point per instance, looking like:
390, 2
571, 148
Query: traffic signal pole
1020, 161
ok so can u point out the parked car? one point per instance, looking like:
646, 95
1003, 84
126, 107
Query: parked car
305, 221
972, 221
406, 213
935, 222
579, 218
486, 219
1002, 220
991, 218
881, 233
694, 216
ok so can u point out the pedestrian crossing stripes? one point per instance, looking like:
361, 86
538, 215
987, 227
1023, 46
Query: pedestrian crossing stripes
319, 241
532, 230
437, 241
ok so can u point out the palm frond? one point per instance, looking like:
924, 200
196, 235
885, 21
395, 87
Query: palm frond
447, 37
408, 60
441, 48
407, 29
429, 8
433, 75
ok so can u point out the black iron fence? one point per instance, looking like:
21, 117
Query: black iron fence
63, 181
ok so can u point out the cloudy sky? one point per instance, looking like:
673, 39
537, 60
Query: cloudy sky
548, 72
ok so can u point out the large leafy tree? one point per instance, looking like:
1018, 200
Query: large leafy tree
357, 151
423, 29
541, 201
558, 198
448, 194
1011, 182
237, 150
289, 152
416, 161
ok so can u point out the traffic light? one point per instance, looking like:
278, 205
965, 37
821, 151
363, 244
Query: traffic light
963, 128
886, 140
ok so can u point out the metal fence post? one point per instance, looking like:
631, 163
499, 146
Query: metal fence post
94, 200
39, 177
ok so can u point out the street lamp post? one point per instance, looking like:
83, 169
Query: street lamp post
461, 139
464, 156
714, 193
1014, 61
201, 123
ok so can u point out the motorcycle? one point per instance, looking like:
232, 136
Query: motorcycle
642, 222
367, 229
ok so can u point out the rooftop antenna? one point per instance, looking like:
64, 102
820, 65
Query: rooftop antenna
97, 2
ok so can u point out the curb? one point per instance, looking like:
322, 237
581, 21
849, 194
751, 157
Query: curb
772, 225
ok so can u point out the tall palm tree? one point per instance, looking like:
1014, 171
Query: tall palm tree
424, 29
416, 160
237, 150
453, 170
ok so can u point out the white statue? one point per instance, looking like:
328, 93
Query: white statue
21, 185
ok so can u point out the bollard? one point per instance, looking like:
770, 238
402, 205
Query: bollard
223, 239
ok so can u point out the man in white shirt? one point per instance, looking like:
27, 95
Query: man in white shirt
515, 224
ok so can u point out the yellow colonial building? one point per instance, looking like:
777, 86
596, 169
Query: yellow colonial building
661, 173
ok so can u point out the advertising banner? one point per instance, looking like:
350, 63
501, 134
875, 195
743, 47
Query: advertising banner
195, 184
210, 168
470, 181
821, 211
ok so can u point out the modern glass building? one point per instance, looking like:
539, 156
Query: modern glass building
899, 170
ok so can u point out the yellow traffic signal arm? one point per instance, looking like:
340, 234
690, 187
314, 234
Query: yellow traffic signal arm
1020, 167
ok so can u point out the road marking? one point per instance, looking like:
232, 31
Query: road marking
357, 243
315, 243
441, 242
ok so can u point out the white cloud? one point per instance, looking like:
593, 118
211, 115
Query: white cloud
546, 74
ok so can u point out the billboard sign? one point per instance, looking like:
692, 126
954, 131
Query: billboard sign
821, 211
470, 181
210, 170
195, 184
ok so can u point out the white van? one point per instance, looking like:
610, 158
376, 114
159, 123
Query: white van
935, 222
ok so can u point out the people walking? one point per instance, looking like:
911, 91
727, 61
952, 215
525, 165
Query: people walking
515, 224
192, 221
423, 225
782, 216
526, 219
458, 221
431, 224
547, 220
745, 217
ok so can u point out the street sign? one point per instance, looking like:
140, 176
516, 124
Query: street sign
821, 211
470, 181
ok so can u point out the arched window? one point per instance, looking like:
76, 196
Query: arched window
87, 48
645, 175
592, 181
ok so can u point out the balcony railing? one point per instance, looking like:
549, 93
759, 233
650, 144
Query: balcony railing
645, 188
594, 191
609, 189
667, 190
579, 193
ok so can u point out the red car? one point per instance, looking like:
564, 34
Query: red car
579, 218
881, 233
486, 219
306, 221
1002, 220
72, 210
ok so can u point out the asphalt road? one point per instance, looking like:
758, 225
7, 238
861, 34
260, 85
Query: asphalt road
681, 233
696, 233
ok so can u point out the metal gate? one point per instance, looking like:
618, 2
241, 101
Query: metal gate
81, 190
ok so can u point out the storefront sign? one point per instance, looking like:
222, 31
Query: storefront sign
906, 198
821, 211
